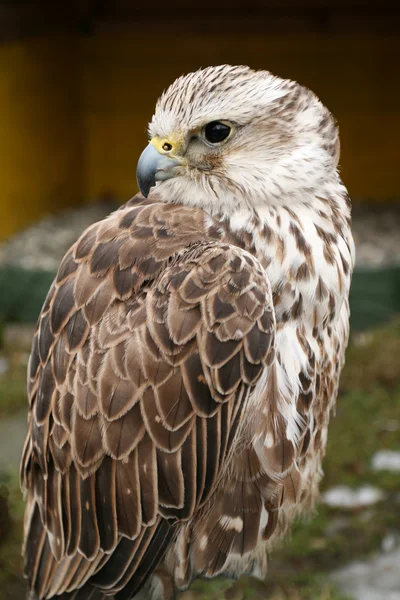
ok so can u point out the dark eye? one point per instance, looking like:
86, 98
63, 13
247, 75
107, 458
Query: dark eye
216, 132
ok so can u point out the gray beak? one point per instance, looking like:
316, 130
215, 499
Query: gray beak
153, 167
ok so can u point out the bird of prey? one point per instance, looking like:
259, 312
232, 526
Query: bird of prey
187, 356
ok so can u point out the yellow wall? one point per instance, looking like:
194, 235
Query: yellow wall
40, 133
73, 113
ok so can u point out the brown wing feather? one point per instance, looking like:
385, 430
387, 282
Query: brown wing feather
148, 344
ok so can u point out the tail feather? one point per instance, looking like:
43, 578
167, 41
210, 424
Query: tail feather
119, 575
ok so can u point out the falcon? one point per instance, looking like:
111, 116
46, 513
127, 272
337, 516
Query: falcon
187, 356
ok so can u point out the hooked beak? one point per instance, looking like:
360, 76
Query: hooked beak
153, 167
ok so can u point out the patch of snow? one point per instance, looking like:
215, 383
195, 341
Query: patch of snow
375, 579
386, 460
389, 542
345, 497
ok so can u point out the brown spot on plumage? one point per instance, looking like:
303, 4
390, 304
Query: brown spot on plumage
303, 272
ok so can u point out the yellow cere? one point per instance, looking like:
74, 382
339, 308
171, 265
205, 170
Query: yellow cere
162, 144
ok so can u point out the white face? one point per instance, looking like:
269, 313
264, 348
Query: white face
241, 138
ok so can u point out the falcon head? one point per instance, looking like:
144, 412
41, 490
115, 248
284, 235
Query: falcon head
227, 138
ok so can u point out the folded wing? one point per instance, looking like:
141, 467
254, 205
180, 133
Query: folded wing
150, 340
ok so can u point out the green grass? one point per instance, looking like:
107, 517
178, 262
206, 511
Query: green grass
372, 360
367, 420
12, 392
11, 516
293, 586
13, 398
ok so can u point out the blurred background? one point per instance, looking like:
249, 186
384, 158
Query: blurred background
78, 83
